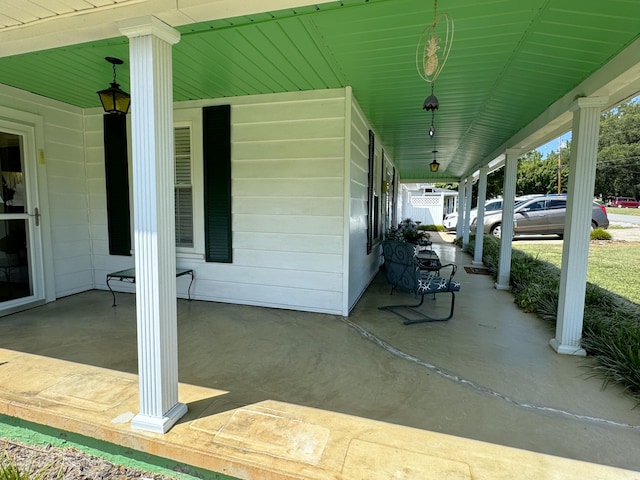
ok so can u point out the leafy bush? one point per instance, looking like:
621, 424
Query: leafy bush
407, 231
432, 228
611, 328
600, 234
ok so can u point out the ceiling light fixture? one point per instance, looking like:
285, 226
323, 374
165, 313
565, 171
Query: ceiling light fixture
434, 166
113, 99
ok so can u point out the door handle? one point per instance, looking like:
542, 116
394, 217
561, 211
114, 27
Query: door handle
36, 213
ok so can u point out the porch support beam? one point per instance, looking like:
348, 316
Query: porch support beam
575, 248
468, 193
460, 209
508, 199
150, 44
482, 198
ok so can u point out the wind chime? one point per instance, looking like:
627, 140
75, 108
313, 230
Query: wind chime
432, 52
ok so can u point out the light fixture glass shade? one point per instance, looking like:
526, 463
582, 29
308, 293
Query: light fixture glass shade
115, 100
434, 166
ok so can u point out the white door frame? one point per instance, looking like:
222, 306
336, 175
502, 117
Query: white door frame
30, 127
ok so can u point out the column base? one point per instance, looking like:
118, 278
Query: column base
159, 424
477, 264
567, 349
500, 286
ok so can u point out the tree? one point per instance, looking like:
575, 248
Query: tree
618, 166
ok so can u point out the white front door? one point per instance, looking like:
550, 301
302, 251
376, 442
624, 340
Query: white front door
21, 265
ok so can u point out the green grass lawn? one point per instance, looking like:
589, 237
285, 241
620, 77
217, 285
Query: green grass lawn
624, 211
612, 265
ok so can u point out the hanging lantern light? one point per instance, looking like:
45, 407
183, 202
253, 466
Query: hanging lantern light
434, 166
113, 99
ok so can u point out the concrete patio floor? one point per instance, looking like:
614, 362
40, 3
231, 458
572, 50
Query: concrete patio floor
285, 394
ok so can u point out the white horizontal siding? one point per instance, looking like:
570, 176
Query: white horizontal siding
287, 206
362, 266
288, 188
103, 263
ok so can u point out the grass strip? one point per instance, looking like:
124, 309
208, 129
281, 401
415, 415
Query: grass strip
29, 433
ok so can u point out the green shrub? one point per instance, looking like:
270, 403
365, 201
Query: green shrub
600, 234
432, 228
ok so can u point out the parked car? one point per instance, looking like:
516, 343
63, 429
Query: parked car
490, 206
626, 202
451, 220
541, 215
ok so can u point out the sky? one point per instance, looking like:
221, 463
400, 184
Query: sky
553, 145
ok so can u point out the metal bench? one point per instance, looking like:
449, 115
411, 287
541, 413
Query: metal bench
407, 272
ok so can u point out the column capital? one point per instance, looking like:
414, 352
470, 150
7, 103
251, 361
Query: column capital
484, 169
514, 152
149, 25
588, 102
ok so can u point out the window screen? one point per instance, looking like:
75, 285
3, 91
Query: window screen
183, 188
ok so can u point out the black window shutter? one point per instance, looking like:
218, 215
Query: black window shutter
117, 179
216, 122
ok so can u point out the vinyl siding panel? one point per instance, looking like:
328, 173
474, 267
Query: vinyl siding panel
103, 263
362, 266
291, 226
287, 205
287, 164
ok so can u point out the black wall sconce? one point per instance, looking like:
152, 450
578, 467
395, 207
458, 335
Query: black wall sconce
113, 99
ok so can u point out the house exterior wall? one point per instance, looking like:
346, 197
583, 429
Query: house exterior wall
103, 263
362, 266
62, 191
299, 208
288, 181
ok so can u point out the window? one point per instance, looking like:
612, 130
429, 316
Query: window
189, 212
556, 204
493, 207
539, 205
183, 188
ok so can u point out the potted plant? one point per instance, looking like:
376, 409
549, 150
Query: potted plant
408, 231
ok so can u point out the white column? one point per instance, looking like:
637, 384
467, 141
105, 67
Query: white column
508, 199
468, 194
460, 209
482, 198
150, 43
575, 249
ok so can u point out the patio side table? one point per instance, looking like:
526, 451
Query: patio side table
429, 261
129, 276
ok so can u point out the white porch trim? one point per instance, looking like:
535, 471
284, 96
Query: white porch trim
575, 249
150, 43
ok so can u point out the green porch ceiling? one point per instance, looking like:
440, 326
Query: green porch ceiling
511, 60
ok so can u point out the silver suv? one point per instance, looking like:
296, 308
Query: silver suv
541, 215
